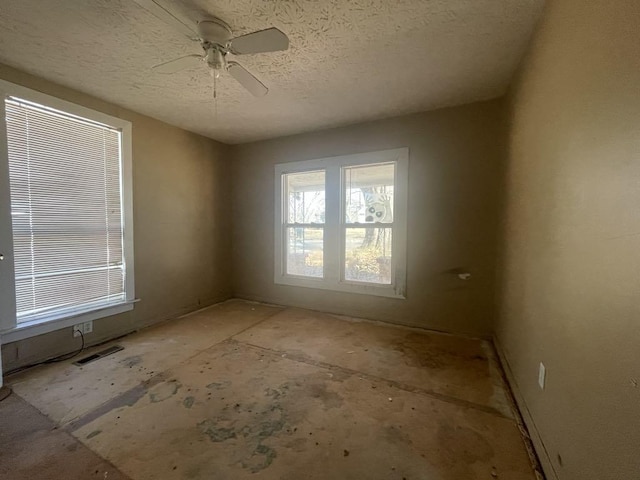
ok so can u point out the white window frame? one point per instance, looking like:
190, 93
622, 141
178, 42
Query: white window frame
10, 330
334, 226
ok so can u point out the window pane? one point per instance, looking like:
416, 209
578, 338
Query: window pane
368, 255
305, 197
305, 251
369, 193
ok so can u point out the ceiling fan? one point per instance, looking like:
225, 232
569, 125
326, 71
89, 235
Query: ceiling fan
216, 40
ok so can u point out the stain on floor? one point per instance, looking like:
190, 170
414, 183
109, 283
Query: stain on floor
287, 394
164, 390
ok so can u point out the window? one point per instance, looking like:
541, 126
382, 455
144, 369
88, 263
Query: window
341, 223
305, 223
66, 237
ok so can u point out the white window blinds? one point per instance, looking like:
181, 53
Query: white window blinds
66, 209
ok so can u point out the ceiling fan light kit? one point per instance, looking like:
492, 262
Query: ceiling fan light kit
215, 58
216, 39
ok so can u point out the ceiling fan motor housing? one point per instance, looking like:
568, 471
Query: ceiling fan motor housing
214, 31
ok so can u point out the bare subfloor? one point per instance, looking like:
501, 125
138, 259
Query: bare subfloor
243, 390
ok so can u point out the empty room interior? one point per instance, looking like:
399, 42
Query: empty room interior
320, 239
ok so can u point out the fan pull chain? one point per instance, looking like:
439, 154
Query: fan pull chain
215, 94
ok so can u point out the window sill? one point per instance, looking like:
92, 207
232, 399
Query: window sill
380, 290
39, 327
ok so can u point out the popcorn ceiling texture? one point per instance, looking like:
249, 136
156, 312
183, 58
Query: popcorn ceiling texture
349, 60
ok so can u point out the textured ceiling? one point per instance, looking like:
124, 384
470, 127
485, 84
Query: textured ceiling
348, 61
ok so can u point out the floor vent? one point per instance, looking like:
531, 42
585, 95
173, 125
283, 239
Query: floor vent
98, 355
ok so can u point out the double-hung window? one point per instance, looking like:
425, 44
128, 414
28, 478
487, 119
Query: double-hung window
65, 214
341, 223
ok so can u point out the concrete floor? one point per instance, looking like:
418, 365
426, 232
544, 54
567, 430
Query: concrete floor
244, 390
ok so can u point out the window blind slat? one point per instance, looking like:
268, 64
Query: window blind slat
65, 178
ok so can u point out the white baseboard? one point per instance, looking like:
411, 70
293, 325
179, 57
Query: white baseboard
532, 431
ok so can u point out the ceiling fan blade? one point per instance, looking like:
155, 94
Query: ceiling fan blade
156, 8
246, 79
269, 40
182, 63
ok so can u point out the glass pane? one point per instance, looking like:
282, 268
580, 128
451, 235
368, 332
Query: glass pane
369, 193
304, 251
368, 255
305, 197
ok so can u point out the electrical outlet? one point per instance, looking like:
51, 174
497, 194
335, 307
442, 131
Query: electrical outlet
86, 327
542, 374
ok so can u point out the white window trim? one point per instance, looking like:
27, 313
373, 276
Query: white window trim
10, 330
334, 224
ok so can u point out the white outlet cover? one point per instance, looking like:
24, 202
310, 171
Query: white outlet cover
76, 329
87, 327
542, 373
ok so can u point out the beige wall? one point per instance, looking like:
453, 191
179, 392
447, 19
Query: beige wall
571, 283
181, 226
454, 169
